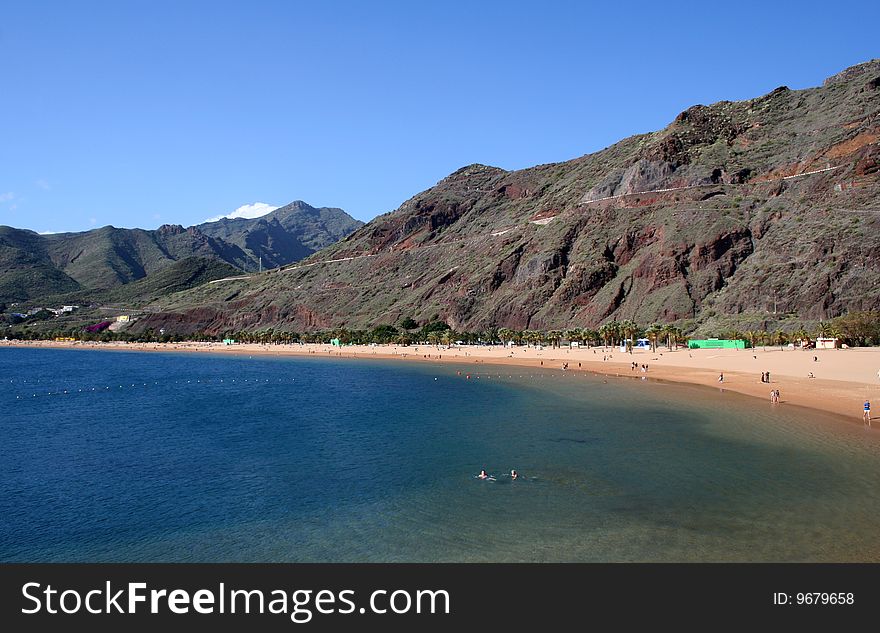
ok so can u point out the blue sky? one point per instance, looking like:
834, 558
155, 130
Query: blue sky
141, 113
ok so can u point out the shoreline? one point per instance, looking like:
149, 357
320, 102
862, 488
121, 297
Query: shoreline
843, 378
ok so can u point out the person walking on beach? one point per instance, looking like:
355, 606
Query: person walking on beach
763, 377
768, 376
867, 414
772, 396
721, 377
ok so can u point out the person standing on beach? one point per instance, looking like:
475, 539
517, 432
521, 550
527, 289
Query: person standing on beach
867, 414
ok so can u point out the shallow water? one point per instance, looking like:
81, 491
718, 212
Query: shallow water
185, 457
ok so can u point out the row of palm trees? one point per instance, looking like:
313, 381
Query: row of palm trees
612, 333
824, 329
609, 334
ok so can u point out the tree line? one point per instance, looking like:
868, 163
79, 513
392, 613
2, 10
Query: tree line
857, 329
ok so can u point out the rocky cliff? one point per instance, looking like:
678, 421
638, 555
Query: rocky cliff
734, 207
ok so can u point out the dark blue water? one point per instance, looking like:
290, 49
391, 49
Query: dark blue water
118, 456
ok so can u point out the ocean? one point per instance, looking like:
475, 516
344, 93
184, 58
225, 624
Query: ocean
133, 456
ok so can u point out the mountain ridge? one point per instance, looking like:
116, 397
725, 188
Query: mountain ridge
730, 208
34, 265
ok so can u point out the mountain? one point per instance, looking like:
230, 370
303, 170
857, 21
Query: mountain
26, 269
287, 234
181, 275
34, 266
734, 208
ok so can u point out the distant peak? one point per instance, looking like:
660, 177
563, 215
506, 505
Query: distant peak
171, 229
248, 211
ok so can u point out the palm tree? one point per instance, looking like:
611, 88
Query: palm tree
653, 333
780, 338
835, 332
505, 335
605, 333
751, 337
763, 337
590, 336
628, 329
824, 329
612, 331
673, 335
801, 335
554, 336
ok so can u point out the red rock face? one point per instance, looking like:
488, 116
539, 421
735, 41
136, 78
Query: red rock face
868, 163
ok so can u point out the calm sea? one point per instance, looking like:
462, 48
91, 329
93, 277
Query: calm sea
120, 456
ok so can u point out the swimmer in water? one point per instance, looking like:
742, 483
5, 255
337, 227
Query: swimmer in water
483, 475
514, 475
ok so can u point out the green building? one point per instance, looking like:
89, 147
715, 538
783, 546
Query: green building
717, 343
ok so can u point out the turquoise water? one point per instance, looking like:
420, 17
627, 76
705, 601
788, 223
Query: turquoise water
190, 457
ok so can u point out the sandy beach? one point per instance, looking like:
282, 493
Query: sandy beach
842, 378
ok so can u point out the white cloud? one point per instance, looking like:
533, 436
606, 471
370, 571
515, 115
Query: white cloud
49, 232
250, 211
42, 183
6, 197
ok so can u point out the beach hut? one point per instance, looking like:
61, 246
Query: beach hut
827, 343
